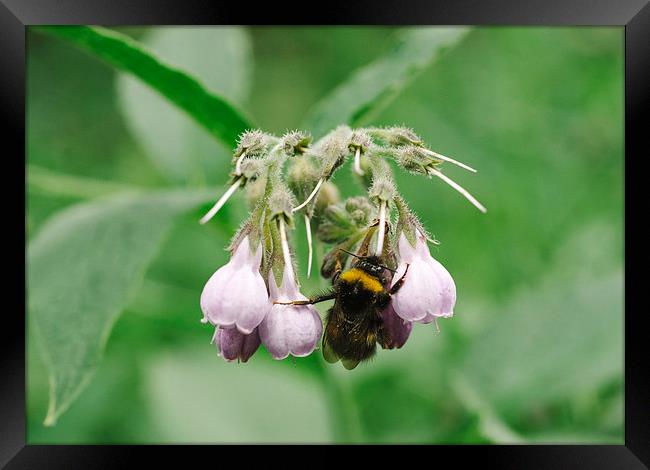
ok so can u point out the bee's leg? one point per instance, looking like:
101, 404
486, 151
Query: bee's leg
399, 283
338, 266
313, 300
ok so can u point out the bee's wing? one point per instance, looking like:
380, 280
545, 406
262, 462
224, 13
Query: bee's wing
328, 353
350, 364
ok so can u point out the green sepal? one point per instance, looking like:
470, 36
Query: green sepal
407, 222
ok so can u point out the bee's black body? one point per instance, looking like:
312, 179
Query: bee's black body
354, 324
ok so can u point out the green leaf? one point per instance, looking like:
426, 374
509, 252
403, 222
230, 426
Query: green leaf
561, 337
221, 59
83, 267
575, 438
222, 120
374, 86
489, 423
199, 398
56, 184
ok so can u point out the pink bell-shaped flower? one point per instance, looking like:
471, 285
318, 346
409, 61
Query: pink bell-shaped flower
429, 290
235, 295
289, 329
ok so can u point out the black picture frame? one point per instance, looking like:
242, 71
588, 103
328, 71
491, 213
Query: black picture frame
634, 15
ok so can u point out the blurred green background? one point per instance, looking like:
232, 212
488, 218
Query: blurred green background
534, 352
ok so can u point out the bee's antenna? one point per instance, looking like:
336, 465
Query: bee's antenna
386, 267
362, 257
349, 253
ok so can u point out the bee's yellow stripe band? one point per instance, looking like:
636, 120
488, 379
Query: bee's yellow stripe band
368, 282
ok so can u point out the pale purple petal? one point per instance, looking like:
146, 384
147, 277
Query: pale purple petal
242, 255
428, 291
211, 295
232, 344
419, 293
428, 318
407, 252
228, 344
236, 294
289, 329
448, 289
272, 331
251, 343
397, 329
247, 300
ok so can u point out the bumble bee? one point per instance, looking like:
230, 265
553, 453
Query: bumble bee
354, 324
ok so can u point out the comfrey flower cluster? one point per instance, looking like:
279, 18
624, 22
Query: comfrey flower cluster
384, 278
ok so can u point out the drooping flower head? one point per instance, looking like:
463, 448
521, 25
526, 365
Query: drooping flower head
255, 298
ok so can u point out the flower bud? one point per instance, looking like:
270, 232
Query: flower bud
253, 142
395, 136
295, 142
302, 176
252, 167
360, 140
415, 160
403, 136
342, 221
360, 210
335, 225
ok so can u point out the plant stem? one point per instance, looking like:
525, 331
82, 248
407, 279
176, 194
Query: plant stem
343, 410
